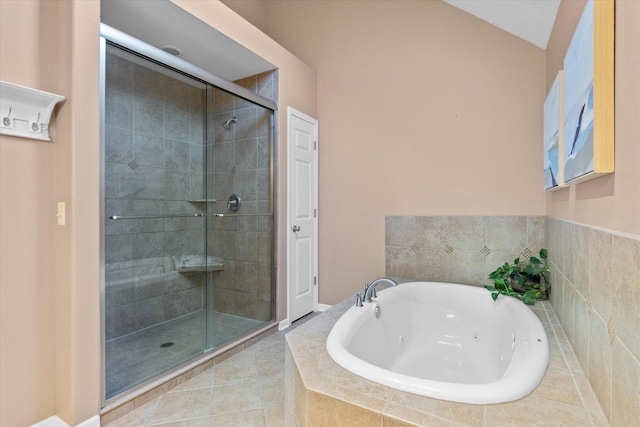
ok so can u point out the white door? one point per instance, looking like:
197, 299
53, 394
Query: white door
302, 249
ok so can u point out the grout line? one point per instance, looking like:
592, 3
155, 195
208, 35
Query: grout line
633, 356
484, 416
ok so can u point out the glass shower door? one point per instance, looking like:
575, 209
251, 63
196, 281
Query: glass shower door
188, 217
240, 224
155, 219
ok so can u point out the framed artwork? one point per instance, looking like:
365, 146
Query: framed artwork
588, 95
553, 136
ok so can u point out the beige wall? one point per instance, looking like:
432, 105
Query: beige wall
297, 88
611, 201
78, 357
27, 329
423, 110
49, 294
254, 11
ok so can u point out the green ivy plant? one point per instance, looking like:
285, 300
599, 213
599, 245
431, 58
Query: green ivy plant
528, 282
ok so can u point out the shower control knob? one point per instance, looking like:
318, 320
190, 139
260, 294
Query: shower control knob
295, 228
233, 203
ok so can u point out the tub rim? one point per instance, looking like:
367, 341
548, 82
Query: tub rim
515, 383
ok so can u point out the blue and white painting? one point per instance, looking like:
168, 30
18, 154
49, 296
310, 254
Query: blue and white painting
551, 131
578, 99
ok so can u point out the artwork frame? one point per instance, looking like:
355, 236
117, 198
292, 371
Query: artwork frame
589, 95
553, 134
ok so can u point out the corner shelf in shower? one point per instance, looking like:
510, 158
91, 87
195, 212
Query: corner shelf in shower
195, 263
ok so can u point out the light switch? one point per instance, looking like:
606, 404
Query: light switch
61, 213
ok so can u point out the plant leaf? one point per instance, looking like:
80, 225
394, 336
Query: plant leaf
528, 277
532, 271
529, 297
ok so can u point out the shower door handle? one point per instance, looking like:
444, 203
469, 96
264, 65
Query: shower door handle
295, 228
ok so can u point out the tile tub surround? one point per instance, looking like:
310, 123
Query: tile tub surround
321, 393
596, 294
458, 249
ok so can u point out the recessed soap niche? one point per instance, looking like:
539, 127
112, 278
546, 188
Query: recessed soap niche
26, 112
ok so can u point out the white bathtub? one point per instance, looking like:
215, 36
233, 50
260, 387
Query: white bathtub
446, 341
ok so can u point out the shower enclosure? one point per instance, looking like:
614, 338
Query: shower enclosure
188, 217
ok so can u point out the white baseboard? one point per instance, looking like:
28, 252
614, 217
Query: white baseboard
284, 324
324, 307
56, 421
50, 422
91, 422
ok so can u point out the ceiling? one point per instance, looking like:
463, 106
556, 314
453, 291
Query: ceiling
160, 23
531, 20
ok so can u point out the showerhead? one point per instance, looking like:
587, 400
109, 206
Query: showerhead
228, 123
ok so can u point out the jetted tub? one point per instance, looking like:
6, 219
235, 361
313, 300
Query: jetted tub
446, 341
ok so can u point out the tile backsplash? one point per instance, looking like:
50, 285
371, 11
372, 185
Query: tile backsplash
458, 249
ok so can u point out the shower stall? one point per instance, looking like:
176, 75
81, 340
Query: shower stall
188, 224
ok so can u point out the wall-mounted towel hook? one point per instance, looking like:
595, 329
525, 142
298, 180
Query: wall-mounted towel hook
6, 121
35, 127
28, 102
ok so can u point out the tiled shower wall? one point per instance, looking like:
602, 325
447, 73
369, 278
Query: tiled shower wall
241, 165
153, 166
458, 249
596, 295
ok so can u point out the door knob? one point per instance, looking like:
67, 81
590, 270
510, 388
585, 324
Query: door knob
295, 228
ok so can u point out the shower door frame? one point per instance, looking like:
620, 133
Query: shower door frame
123, 40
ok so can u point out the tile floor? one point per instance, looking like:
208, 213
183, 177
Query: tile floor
187, 336
247, 390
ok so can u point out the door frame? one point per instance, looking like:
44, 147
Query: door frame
292, 112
